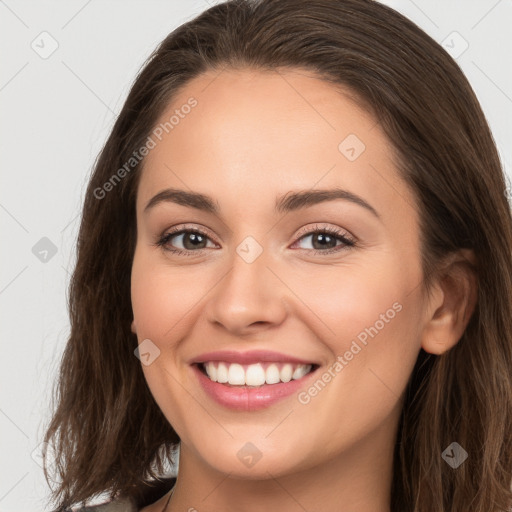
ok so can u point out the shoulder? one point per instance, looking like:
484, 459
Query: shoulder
148, 495
116, 505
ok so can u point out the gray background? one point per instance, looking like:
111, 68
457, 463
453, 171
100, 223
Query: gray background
57, 111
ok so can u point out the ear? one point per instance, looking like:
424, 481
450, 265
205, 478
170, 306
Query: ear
134, 329
451, 303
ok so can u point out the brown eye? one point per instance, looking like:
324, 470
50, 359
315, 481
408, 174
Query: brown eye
192, 240
325, 240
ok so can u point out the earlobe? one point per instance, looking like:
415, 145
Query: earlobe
134, 329
454, 302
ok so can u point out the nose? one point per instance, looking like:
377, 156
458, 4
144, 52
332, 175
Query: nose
249, 297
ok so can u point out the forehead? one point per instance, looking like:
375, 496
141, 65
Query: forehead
254, 135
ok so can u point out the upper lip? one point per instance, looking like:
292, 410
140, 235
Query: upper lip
249, 357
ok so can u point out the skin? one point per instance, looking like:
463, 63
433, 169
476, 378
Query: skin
253, 136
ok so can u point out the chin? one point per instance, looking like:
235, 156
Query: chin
251, 460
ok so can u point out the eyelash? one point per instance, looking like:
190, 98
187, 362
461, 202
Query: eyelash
163, 240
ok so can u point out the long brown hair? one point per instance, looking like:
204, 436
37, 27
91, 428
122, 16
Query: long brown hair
107, 432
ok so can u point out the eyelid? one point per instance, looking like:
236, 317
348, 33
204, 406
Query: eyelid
347, 239
178, 229
311, 229
306, 230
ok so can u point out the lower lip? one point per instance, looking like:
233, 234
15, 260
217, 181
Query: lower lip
248, 398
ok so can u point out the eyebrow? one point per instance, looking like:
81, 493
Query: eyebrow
289, 202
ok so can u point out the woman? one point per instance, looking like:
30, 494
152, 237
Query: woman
294, 261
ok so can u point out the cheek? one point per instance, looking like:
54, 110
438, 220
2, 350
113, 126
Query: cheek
348, 299
368, 316
161, 297
372, 360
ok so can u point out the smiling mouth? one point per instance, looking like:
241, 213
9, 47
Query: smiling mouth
254, 375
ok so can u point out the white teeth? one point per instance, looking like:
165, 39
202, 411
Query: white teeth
254, 374
286, 373
236, 374
272, 374
300, 371
222, 373
211, 371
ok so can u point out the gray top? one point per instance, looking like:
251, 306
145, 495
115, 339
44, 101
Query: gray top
126, 504
116, 505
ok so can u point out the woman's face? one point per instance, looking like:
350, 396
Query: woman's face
264, 287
